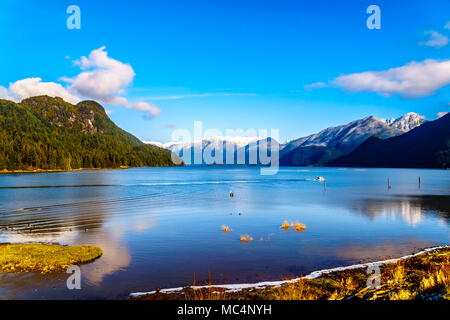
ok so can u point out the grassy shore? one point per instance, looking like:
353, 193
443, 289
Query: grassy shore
425, 276
4, 171
44, 258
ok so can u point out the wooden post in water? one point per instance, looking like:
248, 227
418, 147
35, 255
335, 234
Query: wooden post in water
419, 182
325, 185
389, 184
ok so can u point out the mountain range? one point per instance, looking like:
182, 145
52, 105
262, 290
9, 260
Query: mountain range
313, 150
48, 133
406, 122
328, 144
229, 147
426, 146
51, 134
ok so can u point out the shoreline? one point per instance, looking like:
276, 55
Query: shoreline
240, 287
44, 258
5, 171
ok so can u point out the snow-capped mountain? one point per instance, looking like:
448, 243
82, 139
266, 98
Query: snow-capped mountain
319, 148
315, 149
426, 146
406, 122
259, 152
209, 148
237, 142
349, 134
155, 143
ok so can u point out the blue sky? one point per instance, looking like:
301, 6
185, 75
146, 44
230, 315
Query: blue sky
234, 64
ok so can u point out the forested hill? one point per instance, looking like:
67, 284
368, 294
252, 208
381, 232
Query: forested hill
49, 133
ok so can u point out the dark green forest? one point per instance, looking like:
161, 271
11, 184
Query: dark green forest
48, 133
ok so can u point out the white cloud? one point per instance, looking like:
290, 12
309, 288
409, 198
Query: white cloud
102, 79
415, 79
447, 26
315, 85
31, 87
441, 114
144, 106
436, 40
4, 94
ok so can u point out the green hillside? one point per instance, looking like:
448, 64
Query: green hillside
51, 134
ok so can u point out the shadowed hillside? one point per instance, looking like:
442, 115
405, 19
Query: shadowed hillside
333, 142
427, 146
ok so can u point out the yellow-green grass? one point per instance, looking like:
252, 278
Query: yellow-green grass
419, 277
425, 276
44, 258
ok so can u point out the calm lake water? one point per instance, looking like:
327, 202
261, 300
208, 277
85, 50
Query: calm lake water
160, 226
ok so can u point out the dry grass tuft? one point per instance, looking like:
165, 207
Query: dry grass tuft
285, 225
246, 238
299, 226
402, 294
296, 226
294, 291
440, 277
209, 293
226, 229
398, 275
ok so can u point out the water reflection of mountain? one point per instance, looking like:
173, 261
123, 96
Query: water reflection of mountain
412, 209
